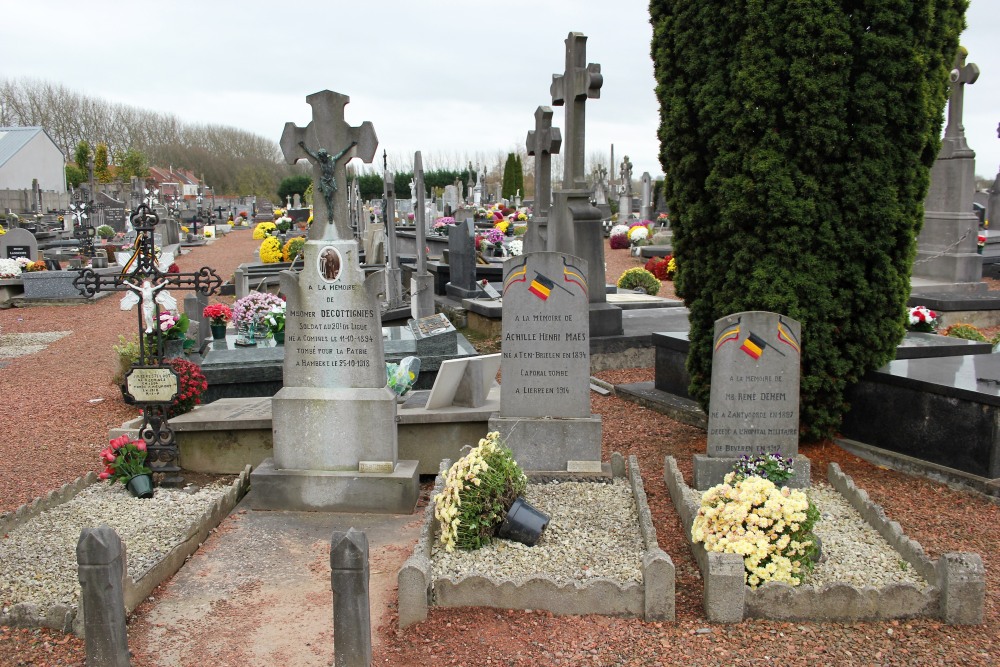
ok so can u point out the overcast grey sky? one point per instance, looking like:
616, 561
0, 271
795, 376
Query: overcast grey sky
447, 77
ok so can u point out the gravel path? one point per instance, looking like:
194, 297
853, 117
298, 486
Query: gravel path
50, 433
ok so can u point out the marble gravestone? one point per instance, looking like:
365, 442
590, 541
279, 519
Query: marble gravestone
334, 419
545, 415
18, 243
754, 400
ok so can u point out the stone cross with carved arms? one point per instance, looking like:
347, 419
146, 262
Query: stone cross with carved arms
543, 142
572, 88
961, 74
329, 132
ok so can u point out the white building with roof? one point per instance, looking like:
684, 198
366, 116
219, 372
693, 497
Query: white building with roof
27, 153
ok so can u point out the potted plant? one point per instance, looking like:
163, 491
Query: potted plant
249, 313
275, 321
191, 384
218, 315
922, 319
125, 461
482, 499
173, 329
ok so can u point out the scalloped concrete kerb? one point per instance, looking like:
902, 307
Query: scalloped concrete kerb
956, 594
653, 599
69, 618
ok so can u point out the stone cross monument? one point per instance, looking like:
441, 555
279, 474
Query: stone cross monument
329, 143
334, 419
422, 282
543, 142
575, 225
947, 260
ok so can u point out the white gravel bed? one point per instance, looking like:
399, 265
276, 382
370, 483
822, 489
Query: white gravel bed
593, 532
39, 555
852, 551
20, 345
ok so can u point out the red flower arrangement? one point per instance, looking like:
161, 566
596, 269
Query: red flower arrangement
124, 458
173, 268
218, 313
192, 385
658, 267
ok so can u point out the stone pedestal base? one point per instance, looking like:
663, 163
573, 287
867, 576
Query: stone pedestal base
549, 444
459, 292
605, 320
709, 471
289, 490
333, 429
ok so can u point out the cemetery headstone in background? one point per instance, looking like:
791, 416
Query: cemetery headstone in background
462, 262
545, 415
754, 400
18, 243
334, 419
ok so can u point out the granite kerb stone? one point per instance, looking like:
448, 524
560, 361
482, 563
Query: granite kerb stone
836, 601
653, 599
69, 618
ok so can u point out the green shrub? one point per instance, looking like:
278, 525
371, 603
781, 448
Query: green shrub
639, 277
105, 231
965, 332
780, 143
128, 353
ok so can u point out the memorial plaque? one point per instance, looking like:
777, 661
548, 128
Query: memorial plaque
754, 401
18, 252
545, 337
491, 291
432, 325
376, 466
152, 384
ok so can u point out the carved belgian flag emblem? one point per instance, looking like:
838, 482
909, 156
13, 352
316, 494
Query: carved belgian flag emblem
753, 346
541, 287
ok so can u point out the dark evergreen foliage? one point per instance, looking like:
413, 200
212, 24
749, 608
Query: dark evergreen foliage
796, 137
292, 185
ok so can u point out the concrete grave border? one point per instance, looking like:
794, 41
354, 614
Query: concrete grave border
957, 580
653, 599
69, 618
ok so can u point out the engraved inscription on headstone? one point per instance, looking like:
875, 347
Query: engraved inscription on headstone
545, 340
754, 402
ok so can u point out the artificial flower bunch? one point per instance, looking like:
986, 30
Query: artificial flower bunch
479, 489
618, 237
27, 265
772, 466
263, 230
9, 268
662, 219
218, 313
922, 318
254, 307
981, 241
123, 459
275, 318
769, 527
173, 325
192, 384
270, 249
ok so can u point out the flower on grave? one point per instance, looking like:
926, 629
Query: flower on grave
502, 225
263, 230
494, 236
478, 491
270, 250
515, 247
185, 229
172, 326
275, 318
981, 240
218, 313
444, 221
773, 467
208, 233
173, 268
618, 237
123, 459
770, 528
31, 267
663, 218
9, 268
292, 248
191, 385
923, 319
638, 234
522, 216
254, 307
409, 217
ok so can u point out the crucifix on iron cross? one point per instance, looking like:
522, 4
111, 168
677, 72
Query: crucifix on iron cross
145, 278
961, 74
572, 88
543, 142
329, 132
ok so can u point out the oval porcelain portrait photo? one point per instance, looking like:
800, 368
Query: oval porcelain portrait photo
329, 263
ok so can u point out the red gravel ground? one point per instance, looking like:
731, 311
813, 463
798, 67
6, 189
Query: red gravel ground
51, 433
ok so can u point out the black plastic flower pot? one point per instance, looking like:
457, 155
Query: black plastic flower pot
140, 486
523, 523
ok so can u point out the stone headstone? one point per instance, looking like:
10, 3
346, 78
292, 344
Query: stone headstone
296, 201
421, 282
17, 243
946, 245
462, 262
545, 415
646, 201
349, 580
754, 402
171, 231
542, 142
993, 203
100, 557
450, 198
334, 419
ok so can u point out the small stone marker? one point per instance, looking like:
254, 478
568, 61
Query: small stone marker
545, 415
349, 579
754, 402
101, 562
